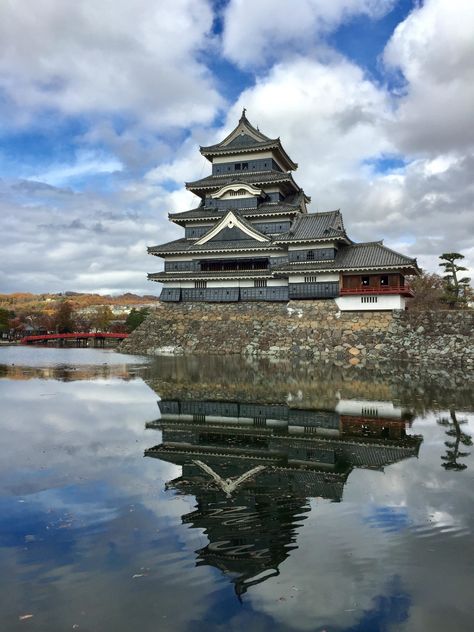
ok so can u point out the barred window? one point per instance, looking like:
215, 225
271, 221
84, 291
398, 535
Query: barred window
200, 284
310, 255
260, 283
368, 299
310, 279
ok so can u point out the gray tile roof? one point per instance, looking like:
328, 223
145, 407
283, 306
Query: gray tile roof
249, 135
246, 137
166, 276
357, 257
189, 246
291, 204
200, 212
241, 141
371, 254
315, 226
248, 177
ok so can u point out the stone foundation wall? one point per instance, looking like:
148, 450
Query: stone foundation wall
308, 329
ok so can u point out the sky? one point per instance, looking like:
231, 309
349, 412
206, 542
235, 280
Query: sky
103, 106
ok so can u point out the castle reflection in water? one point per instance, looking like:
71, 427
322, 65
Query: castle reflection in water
293, 454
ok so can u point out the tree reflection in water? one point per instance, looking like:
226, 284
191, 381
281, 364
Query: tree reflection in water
453, 452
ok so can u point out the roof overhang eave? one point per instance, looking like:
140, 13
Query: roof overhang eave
342, 238
181, 221
212, 151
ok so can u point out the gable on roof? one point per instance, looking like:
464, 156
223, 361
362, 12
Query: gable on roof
244, 134
232, 227
245, 137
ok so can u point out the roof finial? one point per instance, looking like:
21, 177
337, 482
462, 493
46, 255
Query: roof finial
243, 112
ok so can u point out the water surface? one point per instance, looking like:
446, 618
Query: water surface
354, 508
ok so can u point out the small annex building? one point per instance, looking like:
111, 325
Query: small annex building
251, 238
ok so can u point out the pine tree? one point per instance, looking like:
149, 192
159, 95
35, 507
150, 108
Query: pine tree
455, 290
453, 452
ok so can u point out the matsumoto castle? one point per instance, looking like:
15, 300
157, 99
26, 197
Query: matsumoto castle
251, 238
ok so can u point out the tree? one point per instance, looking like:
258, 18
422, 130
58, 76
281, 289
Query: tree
429, 291
5, 318
62, 320
136, 317
102, 318
453, 452
455, 289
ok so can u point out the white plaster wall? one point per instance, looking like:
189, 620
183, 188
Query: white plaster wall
323, 277
360, 407
354, 303
326, 244
277, 283
244, 157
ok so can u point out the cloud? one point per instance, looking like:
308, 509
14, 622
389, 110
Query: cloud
433, 49
258, 32
55, 239
87, 163
136, 59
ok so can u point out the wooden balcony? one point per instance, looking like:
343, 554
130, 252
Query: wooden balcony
403, 290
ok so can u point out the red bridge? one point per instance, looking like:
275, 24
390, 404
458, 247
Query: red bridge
80, 338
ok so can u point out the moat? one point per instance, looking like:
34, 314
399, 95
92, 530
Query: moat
209, 493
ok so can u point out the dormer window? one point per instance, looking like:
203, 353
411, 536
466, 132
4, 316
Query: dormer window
310, 255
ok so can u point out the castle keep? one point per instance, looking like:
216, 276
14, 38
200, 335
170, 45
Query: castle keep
251, 238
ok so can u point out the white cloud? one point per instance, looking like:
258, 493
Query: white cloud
56, 239
88, 163
135, 58
256, 32
434, 49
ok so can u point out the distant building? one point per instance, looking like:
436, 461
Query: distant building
252, 238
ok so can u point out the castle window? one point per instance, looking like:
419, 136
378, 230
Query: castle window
310, 279
245, 166
237, 166
384, 279
200, 284
260, 283
310, 255
365, 280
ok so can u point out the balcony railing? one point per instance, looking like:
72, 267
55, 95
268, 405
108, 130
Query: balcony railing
403, 290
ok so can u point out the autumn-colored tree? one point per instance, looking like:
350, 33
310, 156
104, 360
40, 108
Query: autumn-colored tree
63, 318
102, 318
455, 289
429, 292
